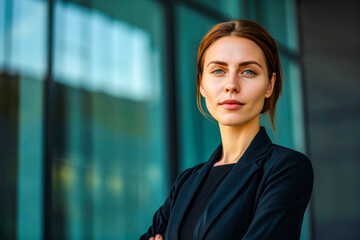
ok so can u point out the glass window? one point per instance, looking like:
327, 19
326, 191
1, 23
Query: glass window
22, 69
229, 8
3, 21
279, 18
28, 43
30, 156
110, 141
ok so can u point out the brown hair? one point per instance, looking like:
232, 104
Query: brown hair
258, 34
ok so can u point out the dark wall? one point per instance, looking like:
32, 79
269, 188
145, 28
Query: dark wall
331, 55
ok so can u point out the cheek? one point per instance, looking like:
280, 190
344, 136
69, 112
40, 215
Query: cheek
211, 93
211, 90
256, 93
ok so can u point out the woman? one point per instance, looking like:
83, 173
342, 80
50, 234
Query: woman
249, 188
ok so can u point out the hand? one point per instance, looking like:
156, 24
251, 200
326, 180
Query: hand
157, 237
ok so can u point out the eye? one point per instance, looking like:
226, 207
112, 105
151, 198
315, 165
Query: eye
218, 71
249, 72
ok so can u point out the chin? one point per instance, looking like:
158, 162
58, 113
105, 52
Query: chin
233, 121
232, 124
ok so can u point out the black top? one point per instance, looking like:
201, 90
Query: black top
201, 199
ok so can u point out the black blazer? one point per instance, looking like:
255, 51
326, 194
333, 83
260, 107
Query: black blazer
263, 197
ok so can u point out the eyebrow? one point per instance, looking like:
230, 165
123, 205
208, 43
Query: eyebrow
241, 64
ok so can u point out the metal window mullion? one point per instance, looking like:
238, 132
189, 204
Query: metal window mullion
48, 109
170, 93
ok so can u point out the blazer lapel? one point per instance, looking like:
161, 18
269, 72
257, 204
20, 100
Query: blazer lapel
235, 181
188, 190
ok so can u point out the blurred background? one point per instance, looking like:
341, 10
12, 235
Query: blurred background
98, 109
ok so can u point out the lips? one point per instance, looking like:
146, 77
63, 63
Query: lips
231, 101
231, 104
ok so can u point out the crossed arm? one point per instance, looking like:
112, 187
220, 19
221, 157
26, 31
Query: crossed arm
157, 237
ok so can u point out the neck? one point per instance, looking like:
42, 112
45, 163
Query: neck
236, 139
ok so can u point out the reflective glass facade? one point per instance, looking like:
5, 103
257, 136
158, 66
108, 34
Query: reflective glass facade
98, 109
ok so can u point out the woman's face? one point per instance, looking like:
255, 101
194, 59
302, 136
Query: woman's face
235, 81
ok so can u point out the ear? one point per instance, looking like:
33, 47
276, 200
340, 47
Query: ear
270, 88
202, 90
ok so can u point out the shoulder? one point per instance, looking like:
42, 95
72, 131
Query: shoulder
279, 156
282, 162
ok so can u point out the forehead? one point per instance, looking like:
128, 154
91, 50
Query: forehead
234, 49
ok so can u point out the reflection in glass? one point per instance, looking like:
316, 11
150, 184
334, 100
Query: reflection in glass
28, 52
22, 69
97, 53
3, 23
110, 140
228, 8
279, 18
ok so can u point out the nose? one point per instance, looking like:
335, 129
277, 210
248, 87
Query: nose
232, 84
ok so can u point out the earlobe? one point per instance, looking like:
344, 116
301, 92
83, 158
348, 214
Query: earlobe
202, 91
270, 89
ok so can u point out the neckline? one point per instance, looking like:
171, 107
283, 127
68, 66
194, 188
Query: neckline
225, 165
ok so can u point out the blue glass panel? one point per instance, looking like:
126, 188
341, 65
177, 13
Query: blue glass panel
28, 43
231, 9
279, 17
110, 141
27, 59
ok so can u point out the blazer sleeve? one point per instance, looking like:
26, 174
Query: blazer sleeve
282, 204
162, 215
